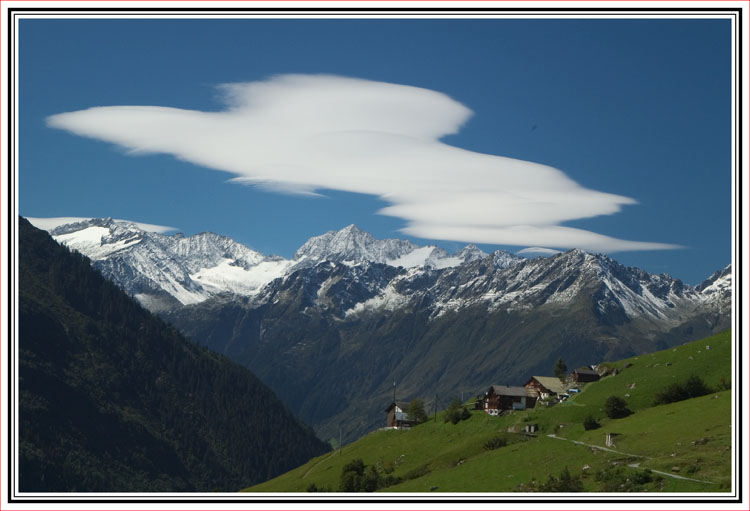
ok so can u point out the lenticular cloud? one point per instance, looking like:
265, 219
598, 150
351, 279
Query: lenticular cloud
299, 134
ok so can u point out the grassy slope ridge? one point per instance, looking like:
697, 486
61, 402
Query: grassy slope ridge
693, 436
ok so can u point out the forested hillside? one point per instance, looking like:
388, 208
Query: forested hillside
114, 399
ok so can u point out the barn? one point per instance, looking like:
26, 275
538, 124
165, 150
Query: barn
506, 397
545, 386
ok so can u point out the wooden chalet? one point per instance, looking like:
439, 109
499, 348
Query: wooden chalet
505, 397
545, 386
397, 417
585, 375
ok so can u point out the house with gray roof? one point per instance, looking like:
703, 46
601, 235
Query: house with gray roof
507, 397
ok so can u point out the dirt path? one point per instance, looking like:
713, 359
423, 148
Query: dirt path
596, 447
318, 463
632, 465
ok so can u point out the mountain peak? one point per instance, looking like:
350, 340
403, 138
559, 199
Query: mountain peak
470, 253
351, 228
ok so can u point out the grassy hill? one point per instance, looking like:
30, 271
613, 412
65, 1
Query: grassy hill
689, 439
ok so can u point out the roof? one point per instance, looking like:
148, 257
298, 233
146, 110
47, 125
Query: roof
551, 383
400, 404
586, 370
507, 390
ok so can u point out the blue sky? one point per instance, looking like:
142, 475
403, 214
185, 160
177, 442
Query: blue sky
635, 109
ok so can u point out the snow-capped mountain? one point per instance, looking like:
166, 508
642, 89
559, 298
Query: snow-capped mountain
619, 293
352, 246
350, 314
164, 271
353, 330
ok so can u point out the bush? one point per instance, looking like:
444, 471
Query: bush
417, 472
590, 423
370, 480
456, 413
416, 411
312, 488
564, 483
694, 386
350, 482
356, 465
724, 384
616, 408
619, 479
356, 477
352, 476
495, 443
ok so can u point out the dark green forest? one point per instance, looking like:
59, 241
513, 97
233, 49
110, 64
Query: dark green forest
113, 399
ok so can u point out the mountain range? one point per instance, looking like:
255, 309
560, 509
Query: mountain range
164, 272
331, 329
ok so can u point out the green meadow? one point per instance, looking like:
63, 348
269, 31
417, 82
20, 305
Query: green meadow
678, 447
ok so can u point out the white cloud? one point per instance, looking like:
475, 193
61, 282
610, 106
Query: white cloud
300, 134
48, 224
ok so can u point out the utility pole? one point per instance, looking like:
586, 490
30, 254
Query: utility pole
394, 392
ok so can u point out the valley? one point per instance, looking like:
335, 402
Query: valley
333, 328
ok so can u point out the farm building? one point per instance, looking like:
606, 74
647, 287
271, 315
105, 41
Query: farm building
505, 397
584, 375
545, 386
397, 417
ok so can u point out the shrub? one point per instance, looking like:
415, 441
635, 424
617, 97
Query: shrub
590, 423
312, 488
352, 476
694, 386
618, 479
453, 412
416, 411
564, 483
724, 384
417, 472
616, 408
350, 482
456, 413
357, 477
370, 480
356, 465
495, 443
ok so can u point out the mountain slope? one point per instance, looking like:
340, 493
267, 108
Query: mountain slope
691, 439
343, 335
350, 314
113, 399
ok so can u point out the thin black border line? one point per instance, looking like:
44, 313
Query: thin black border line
738, 248
14, 12
455, 11
11, 250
